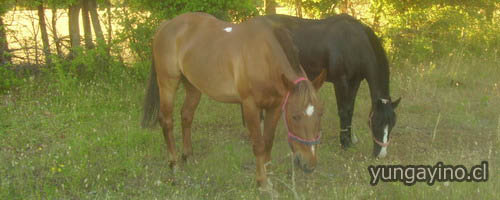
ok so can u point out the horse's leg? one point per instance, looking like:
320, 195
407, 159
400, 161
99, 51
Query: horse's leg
270, 121
345, 92
252, 118
191, 101
167, 88
353, 91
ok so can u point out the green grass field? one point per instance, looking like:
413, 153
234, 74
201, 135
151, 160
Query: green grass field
84, 141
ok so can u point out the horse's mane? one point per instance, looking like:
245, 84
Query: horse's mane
291, 51
305, 93
284, 37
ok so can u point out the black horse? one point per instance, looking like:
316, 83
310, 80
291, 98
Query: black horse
351, 52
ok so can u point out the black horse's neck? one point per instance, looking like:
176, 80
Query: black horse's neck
378, 82
376, 75
378, 79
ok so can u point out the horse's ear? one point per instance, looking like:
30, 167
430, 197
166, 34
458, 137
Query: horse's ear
396, 103
318, 81
288, 84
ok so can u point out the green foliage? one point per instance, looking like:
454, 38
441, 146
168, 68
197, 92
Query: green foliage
321, 8
314, 8
87, 65
8, 78
5, 5
435, 31
233, 10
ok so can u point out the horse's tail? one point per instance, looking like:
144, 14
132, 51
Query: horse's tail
151, 105
242, 116
376, 44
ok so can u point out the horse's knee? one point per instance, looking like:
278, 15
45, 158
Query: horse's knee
186, 117
165, 121
259, 148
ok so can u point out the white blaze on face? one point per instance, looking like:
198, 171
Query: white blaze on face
228, 29
313, 150
383, 151
309, 110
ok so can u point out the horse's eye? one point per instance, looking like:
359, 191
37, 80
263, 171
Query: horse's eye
296, 117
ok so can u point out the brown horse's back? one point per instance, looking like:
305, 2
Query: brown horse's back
214, 56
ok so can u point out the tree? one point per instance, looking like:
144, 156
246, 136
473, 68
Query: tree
43, 30
4, 45
270, 6
298, 8
110, 26
74, 26
87, 31
55, 36
95, 20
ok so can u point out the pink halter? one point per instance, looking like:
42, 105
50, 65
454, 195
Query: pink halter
291, 135
375, 139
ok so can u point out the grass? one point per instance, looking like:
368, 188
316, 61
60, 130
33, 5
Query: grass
83, 141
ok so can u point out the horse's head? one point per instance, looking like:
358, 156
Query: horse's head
302, 115
382, 120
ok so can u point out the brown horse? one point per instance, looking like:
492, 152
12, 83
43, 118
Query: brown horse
234, 63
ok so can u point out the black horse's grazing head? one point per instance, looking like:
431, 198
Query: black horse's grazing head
382, 120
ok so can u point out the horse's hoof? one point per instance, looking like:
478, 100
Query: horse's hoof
354, 139
267, 189
173, 166
271, 192
346, 145
268, 167
175, 169
185, 157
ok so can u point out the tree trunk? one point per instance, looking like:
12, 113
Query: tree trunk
110, 27
87, 30
4, 47
345, 6
270, 6
489, 10
45, 36
376, 18
54, 32
74, 27
298, 8
95, 21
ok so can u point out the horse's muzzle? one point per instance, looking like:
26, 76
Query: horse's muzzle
307, 168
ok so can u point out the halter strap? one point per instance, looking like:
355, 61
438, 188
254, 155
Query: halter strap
299, 79
382, 144
291, 135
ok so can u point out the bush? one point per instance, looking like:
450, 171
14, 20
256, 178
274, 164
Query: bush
8, 78
436, 31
